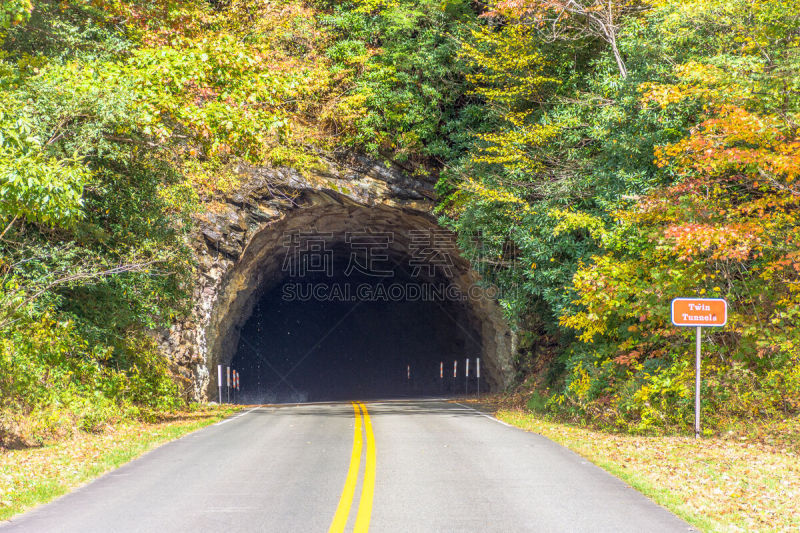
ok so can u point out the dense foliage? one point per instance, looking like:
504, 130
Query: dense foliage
404, 78
617, 182
116, 120
596, 159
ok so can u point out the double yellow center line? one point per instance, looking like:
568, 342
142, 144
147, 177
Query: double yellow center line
368, 487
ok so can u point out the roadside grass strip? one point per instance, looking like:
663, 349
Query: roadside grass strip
33, 476
364, 514
716, 484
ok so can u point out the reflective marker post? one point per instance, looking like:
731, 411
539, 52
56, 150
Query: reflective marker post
219, 382
478, 373
228, 372
441, 376
466, 376
698, 312
455, 373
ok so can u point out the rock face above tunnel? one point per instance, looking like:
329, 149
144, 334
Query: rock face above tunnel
240, 248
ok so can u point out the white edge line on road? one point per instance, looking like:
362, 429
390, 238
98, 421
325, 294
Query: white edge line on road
490, 417
239, 416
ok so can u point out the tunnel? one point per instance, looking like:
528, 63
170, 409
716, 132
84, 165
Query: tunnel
354, 337
341, 301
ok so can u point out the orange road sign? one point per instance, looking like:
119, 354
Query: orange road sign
706, 312
697, 313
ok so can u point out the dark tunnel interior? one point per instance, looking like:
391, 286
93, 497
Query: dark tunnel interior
355, 337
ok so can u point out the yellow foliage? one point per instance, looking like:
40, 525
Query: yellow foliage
581, 382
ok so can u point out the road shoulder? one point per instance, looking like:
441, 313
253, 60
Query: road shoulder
715, 484
34, 476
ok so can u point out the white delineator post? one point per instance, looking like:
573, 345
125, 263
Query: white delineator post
697, 386
478, 374
219, 381
228, 382
466, 376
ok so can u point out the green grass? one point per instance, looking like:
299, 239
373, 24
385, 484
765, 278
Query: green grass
34, 476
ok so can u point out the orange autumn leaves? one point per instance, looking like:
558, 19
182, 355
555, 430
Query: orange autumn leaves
737, 196
762, 148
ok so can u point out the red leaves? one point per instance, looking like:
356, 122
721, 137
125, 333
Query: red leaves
628, 358
724, 242
199, 94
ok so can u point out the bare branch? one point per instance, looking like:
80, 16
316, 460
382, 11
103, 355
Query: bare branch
8, 227
8, 311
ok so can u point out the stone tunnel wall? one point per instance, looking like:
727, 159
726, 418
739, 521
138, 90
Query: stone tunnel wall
240, 247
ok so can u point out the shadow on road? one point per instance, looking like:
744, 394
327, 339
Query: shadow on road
376, 409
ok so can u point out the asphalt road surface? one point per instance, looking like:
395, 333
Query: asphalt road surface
395, 466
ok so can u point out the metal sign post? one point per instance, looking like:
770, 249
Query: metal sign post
697, 384
698, 312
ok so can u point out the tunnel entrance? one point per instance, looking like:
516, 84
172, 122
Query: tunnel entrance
354, 337
335, 300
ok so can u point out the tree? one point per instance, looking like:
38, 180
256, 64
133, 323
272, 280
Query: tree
575, 19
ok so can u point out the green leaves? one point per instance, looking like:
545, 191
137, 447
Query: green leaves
40, 189
36, 186
404, 77
14, 12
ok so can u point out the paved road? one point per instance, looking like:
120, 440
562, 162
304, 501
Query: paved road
399, 466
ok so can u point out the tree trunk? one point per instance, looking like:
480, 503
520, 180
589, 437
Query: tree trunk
623, 71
